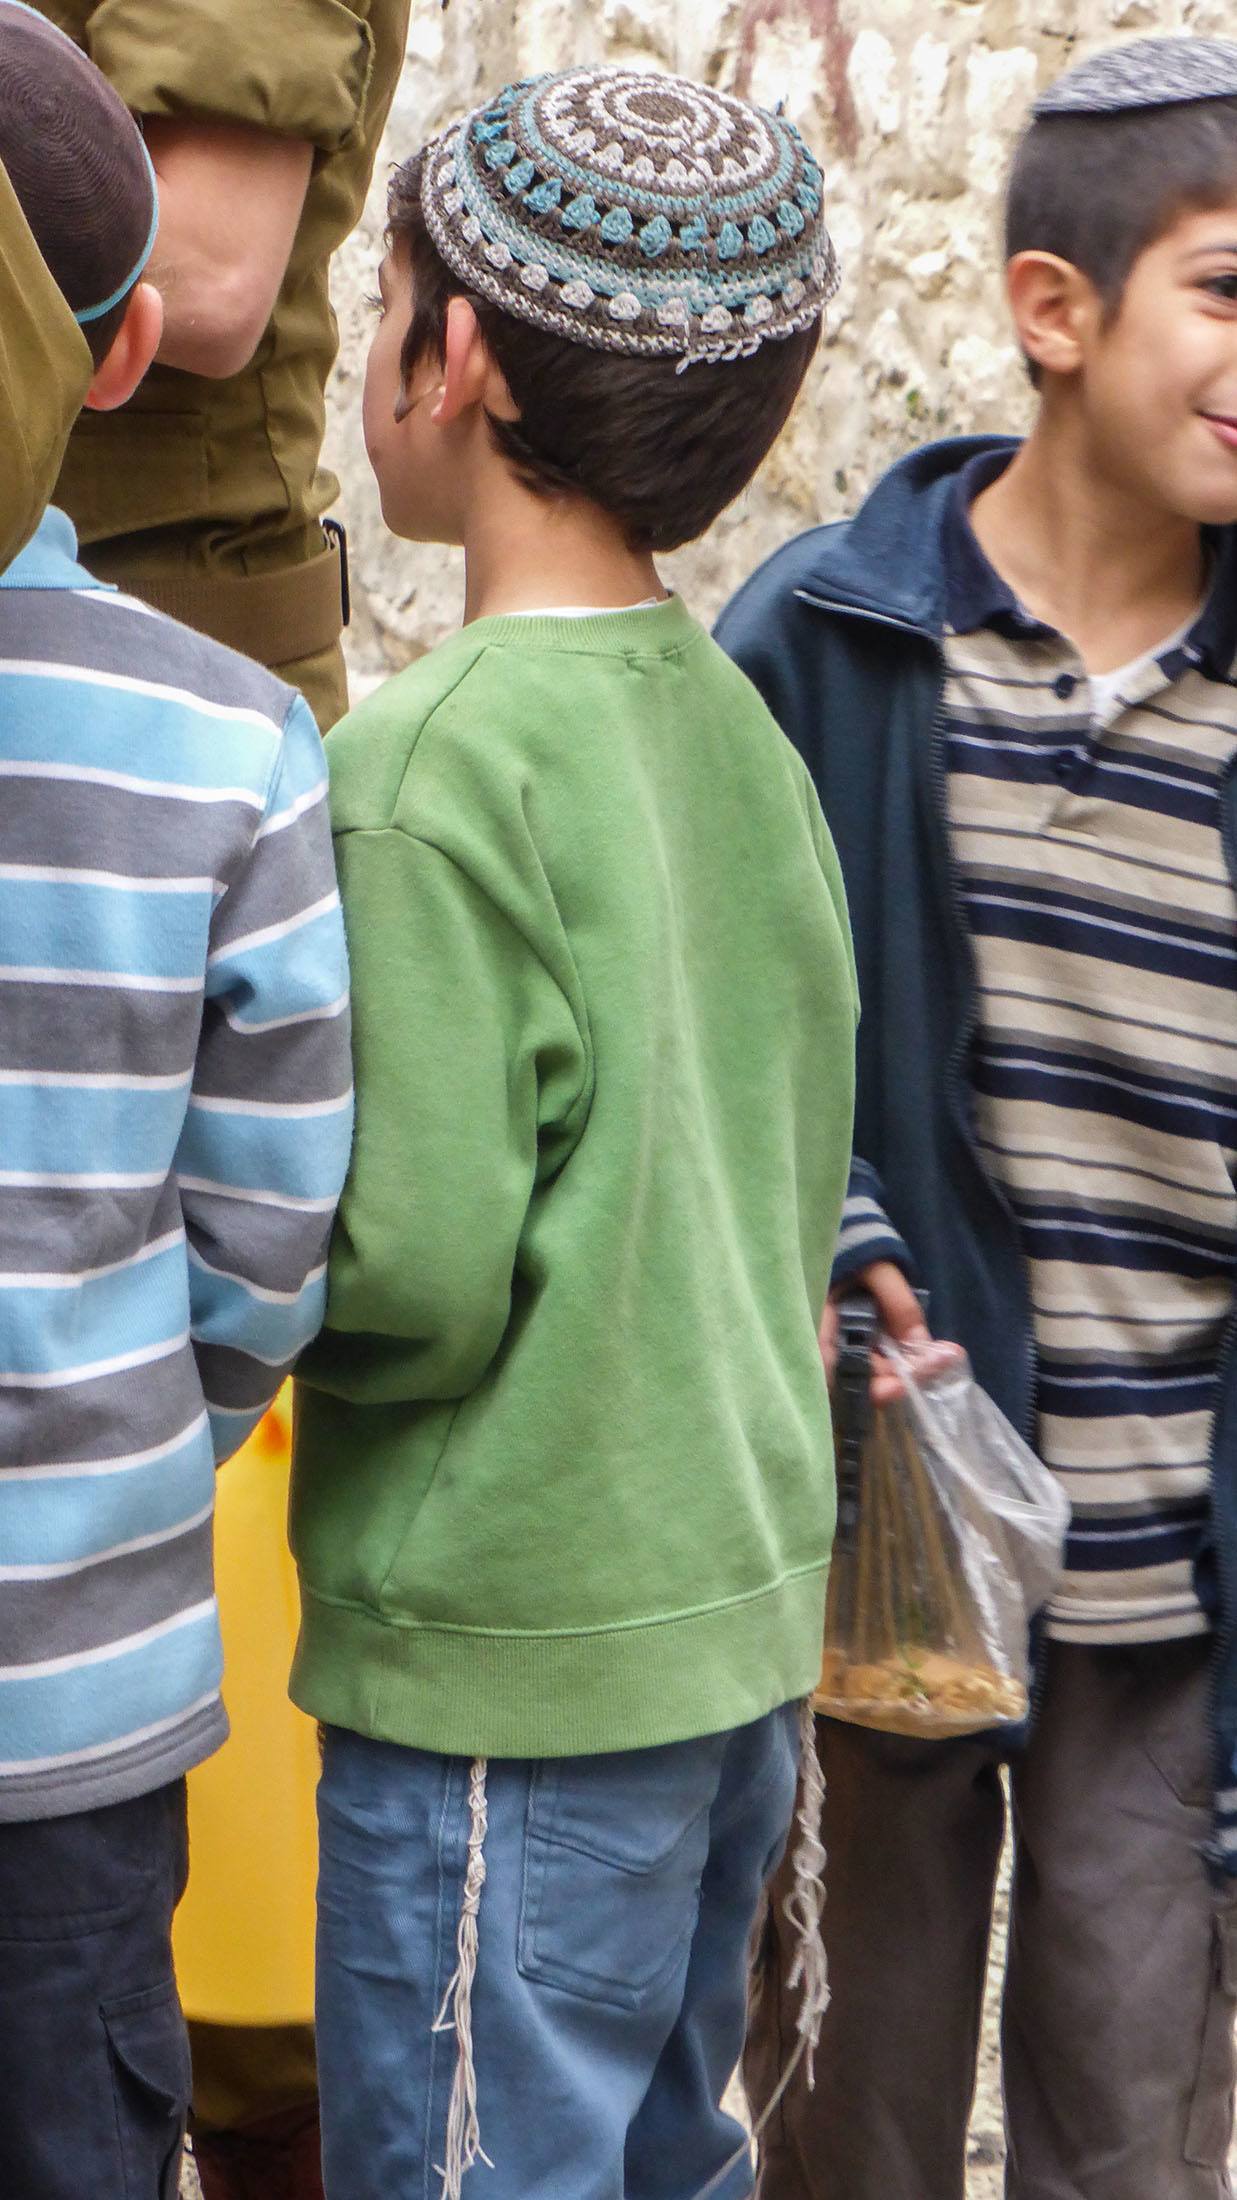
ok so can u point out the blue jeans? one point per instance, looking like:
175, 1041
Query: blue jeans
610, 1995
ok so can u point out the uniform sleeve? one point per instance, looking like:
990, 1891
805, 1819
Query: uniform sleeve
44, 375
297, 68
470, 1071
264, 1150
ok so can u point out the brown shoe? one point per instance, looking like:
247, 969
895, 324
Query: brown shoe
279, 2158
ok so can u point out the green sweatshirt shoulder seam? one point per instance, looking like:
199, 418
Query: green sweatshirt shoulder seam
583, 1099
466, 673
377, 708
582, 1102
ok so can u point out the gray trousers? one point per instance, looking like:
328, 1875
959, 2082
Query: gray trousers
1121, 1975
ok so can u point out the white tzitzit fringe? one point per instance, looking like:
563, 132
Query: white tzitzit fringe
805, 1904
464, 2147
804, 1908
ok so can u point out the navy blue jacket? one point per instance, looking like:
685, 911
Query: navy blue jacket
841, 631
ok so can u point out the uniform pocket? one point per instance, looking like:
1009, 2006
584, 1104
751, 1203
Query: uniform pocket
128, 471
1209, 2127
614, 1850
149, 2051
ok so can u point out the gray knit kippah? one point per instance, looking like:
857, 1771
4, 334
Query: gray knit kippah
633, 212
1150, 72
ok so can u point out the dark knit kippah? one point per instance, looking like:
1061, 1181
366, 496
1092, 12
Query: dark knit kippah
1148, 72
635, 212
77, 162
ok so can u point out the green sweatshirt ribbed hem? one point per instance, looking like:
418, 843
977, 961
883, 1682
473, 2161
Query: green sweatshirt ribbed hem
464, 1693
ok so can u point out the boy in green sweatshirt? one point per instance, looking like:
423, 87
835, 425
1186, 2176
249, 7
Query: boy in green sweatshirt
563, 1491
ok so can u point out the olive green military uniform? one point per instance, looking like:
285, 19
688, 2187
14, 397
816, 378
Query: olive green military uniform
44, 375
206, 497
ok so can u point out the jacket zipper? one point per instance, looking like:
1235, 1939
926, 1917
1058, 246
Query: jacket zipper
960, 1050
957, 1095
1223, 1644
960, 1053
1227, 1627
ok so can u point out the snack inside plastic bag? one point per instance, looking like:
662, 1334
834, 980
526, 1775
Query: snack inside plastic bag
950, 1537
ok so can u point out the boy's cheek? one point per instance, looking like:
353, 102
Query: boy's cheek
372, 423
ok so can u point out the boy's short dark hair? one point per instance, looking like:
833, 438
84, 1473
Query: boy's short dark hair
1098, 189
662, 451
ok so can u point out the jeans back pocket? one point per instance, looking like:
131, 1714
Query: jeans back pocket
614, 1850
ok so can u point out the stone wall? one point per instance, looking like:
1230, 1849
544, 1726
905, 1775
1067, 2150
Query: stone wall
912, 106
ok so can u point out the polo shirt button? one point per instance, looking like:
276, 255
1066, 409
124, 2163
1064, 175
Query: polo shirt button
1064, 685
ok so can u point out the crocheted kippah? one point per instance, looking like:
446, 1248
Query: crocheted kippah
635, 213
1150, 72
77, 161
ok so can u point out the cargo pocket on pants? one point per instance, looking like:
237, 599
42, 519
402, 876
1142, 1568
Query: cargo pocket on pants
149, 2051
1209, 2127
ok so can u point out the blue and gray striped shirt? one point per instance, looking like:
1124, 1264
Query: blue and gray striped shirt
175, 1118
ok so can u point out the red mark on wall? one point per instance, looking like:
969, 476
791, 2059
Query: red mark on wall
824, 19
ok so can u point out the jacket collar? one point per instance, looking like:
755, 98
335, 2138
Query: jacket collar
889, 560
909, 555
1212, 641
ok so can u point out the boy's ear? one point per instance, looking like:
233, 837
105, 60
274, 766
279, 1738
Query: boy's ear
1056, 310
133, 348
470, 376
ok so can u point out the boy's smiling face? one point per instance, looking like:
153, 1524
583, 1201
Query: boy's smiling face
1158, 384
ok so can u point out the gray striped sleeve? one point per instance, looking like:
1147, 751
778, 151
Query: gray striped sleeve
264, 1152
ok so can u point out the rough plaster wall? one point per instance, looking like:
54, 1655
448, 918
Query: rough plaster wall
912, 106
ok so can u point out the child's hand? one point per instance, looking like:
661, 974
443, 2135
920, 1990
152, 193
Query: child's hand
901, 1317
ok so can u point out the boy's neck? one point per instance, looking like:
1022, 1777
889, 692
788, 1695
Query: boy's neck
1086, 553
523, 552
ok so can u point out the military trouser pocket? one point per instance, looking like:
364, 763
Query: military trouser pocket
1209, 2126
149, 2053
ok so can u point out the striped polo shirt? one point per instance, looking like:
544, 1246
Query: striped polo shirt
175, 1115
1086, 834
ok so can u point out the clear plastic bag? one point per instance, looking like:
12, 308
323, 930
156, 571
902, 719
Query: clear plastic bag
950, 1537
